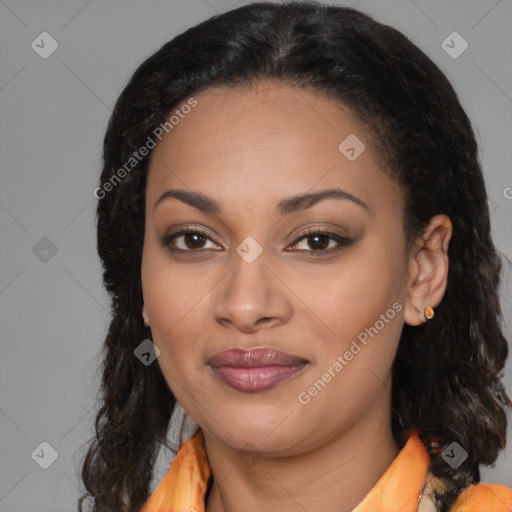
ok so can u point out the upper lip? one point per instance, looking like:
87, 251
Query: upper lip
250, 358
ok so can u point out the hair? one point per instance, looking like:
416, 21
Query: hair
447, 373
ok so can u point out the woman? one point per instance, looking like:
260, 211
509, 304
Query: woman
292, 210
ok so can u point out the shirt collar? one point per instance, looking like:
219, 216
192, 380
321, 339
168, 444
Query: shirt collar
184, 487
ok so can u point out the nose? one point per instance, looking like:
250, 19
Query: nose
251, 296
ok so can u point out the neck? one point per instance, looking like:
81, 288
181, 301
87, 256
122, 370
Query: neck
334, 477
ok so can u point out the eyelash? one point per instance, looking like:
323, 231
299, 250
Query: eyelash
342, 241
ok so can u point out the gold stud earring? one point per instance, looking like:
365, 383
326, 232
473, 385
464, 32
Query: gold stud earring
428, 313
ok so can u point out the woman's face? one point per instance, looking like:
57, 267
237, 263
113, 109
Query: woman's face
251, 166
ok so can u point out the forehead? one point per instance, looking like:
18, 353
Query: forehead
264, 141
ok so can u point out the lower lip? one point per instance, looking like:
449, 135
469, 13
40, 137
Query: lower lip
251, 380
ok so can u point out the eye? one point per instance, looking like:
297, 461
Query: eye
318, 242
192, 239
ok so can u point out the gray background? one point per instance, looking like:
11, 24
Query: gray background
54, 313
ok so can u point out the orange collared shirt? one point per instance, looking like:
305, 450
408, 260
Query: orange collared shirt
184, 487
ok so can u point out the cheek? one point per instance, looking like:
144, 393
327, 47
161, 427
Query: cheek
176, 301
171, 291
377, 304
364, 299
354, 293
365, 323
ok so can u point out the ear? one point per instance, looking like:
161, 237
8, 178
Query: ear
145, 315
428, 269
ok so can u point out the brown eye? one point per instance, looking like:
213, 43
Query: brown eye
193, 241
187, 240
318, 242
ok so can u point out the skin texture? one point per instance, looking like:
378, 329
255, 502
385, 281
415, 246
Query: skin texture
248, 148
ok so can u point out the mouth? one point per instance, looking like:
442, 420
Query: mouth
254, 370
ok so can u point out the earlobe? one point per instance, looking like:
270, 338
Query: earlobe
145, 316
428, 270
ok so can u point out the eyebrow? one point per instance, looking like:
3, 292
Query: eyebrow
286, 206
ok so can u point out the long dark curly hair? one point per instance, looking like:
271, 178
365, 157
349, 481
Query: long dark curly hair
447, 372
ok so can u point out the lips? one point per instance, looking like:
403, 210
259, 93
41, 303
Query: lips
254, 357
255, 370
